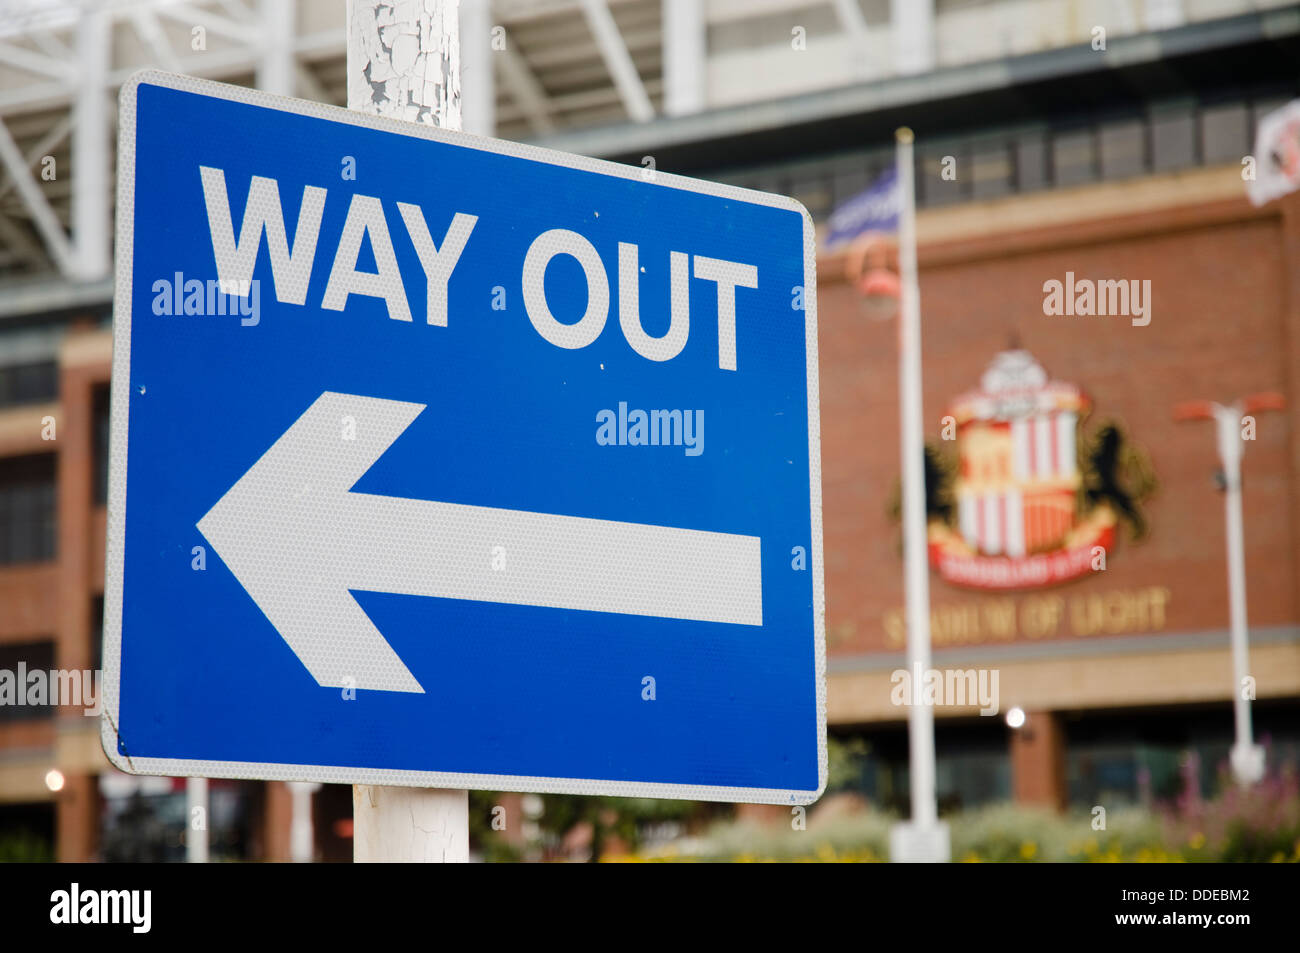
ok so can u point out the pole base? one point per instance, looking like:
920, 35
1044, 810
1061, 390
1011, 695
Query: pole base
1247, 763
911, 843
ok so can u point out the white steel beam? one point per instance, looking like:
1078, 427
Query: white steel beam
309, 86
617, 60
526, 90
41, 148
46, 222
52, 45
913, 25
851, 18
152, 35
684, 57
222, 26
33, 62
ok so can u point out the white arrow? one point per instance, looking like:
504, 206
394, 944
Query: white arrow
298, 539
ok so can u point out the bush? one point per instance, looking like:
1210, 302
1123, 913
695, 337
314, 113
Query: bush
20, 847
1261, 823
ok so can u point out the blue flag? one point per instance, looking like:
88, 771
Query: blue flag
875, 210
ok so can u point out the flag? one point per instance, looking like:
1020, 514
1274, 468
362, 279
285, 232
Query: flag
1277, 155
875, 210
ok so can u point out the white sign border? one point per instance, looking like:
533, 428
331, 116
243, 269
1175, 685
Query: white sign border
114, 564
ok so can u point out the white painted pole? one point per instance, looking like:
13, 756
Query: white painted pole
275, 65
478, 96
301, 839
90, 188
916, 580
404, 60
922, 839
409, 825
1246, 757
196, 824
407, 66
685, 56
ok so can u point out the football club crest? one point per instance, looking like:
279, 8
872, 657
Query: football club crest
1032, 500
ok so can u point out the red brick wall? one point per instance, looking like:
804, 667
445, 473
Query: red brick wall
1223, 289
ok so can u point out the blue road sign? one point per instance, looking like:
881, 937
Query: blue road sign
444, 461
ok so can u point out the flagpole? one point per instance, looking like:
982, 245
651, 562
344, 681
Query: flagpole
924, 838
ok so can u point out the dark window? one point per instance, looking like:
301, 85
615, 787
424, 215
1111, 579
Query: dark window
813, 190
22, 659
1173, 139
1169, 134
1123, 149
1031, 161
27, 509
991, 168
849, 178
29, 383
940, 171
144, 819
972, 764
1225, 133
1074, 157
101, 444
97, 633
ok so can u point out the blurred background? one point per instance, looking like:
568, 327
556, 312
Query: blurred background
1056, 140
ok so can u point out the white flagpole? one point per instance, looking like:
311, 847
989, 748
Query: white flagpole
923, 839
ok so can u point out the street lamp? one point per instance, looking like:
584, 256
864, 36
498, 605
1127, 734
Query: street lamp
1247, 757
872, 268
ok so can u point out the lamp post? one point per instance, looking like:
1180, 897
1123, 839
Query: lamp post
1247, 757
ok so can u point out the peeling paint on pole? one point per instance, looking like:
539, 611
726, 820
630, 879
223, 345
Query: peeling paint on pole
404, 63
404, 60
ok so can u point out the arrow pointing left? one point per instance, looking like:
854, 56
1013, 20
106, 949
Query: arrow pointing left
298, 539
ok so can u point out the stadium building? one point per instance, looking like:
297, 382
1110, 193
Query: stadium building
1088, 154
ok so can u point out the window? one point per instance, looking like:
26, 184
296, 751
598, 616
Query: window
1160, 136
991, 169
939, 174
1225, 133
101, 436
1173, 139
1074, 159
32, 383
97, 633
1031, 161
1123, 149
27, 509
32, 657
